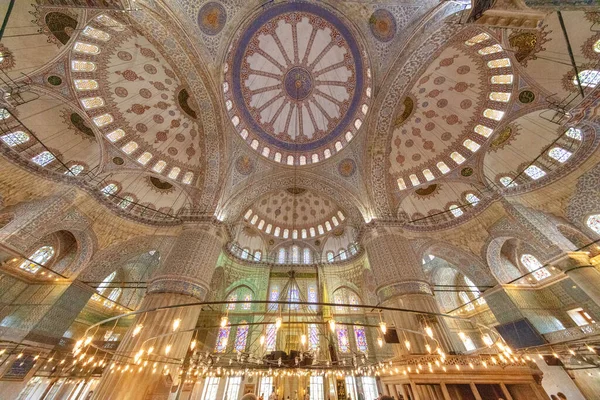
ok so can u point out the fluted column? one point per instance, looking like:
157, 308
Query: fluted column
183, 278
577, 266
401, 283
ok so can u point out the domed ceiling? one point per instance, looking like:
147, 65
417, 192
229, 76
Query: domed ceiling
294, 209
297, 83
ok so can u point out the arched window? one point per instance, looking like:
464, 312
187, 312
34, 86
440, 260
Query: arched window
295, 254
115, 294
507, 181
222, 339
457, 157
241, 336
532, 264
40, 257
597, 46
559, 154
110, 189
245, 253
187, 178
232, 297
482, 37
464, 298
274, 296
15, 138
44, 158
130, 147
257, 255
483, 130
428, 174
475, 291
534, 172
457, 212
330, 256
247, 305
471, 145
343, 340
361, 339
294, 297
106, 282
281, 256
443, 167
271, 337
174, 173
574, 133
307, 256
313, 336
126, 202
593, 222
116, 135
472, 199
342, 254
74, 170
588, 78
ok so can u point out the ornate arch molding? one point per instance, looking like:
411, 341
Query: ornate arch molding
109, 259
241, 284
182, 54
415, 58
464, 262
248, 194
343, 284
585, 201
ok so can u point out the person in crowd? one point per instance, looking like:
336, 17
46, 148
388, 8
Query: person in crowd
249, 396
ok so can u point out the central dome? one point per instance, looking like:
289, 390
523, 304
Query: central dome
296, 83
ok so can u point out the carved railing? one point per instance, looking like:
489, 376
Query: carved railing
576, 332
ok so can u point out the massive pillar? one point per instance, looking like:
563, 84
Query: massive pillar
183, 278
401, 283
577, 266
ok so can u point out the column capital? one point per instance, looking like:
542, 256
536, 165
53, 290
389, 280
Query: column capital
573, 260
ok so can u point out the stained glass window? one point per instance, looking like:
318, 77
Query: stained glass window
482, 37
342, 254
271, 338
593, 222
597, 46
560, 154
532, 264
222, 339
233, 387
126, 202
472, 199
40, 257
108, 21
401, 184
277, 231
330, 256
257, 255
320, 229
144, 158
115, 135
428, 175
337, 299
361, 339
103, 120
327, 226
312, 297
159, 166
44, 158
496, 115
313, 336
281, 256
507, 181
495, 48
307, 256
92, 102
85, 84
471, 145
15, 138
247, 304
232, 297
353, 299
312, 232
574, 133
294, 297
110, 189
343, 340
457, 157
588, 78
483, 130
304, 235
241, 337
86, 48
274, 296
534, 172
457, 212
502, 97
414, 179
187, 178
4, 114
96, 33
129, 147
443, 167
499, 63
82, 66
475, 291
174, 172
502, 79
295, 254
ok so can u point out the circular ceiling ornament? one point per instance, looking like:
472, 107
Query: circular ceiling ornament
297, 83
244, 165
383, 25
347, 167
211, 18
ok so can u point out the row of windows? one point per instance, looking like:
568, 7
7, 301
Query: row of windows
342, 254
285, 233
90, 103
296, 255
470, 198
556, 153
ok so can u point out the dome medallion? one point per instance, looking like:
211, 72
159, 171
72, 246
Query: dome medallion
297, 83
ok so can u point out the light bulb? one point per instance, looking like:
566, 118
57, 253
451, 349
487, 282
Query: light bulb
150, 350
262, 339
407, 344
380, 342
176, 324
137, 329
167, 349
88, 340
332, 324
224, 322
278, 322
429, 331
428, 348
193, 344
383, 327
303, 339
